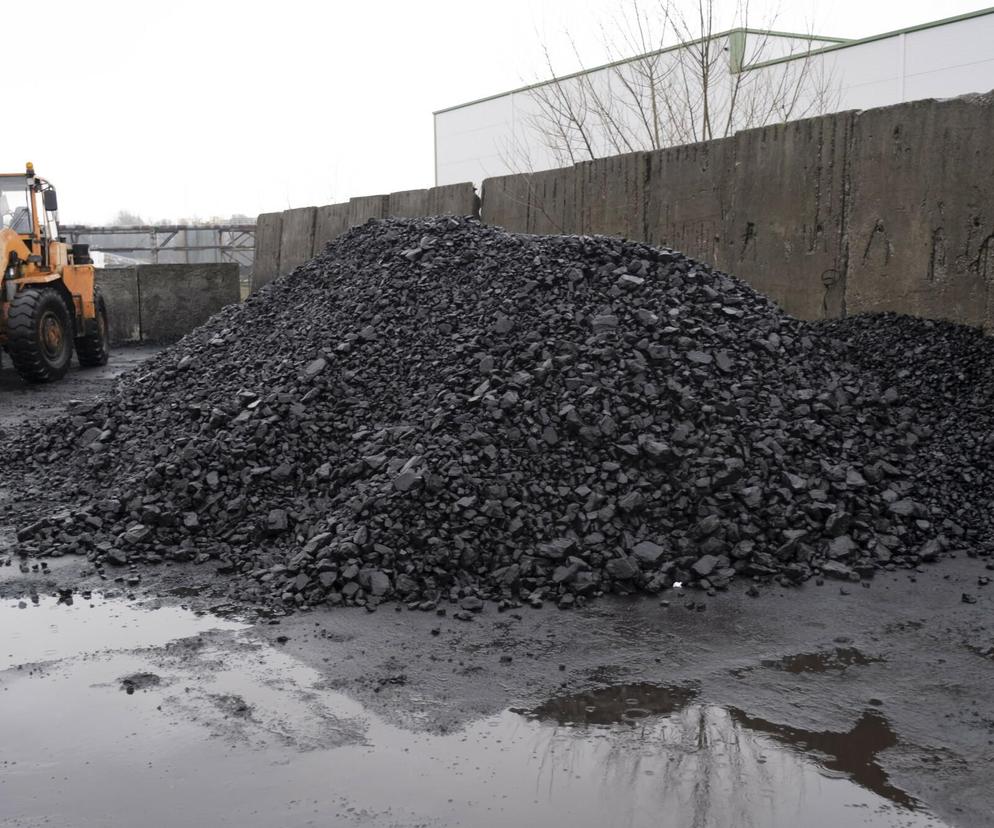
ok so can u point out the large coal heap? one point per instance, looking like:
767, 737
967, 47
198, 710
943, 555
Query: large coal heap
436, 408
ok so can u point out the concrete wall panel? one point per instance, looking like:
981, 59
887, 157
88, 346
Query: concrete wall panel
454, 200
613, 195
504, 202
297, 241
545, 202
921, 221
175, 299
364, 208
409, 204
330, 222
687, 195
785, 230
119, 287
555, 201
268, 239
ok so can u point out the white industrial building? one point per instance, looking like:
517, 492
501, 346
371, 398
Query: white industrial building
770, 76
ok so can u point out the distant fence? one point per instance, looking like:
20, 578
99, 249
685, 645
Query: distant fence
161, 303
284, 241
888, 209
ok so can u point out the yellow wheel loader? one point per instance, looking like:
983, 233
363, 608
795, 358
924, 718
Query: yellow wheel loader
49, 301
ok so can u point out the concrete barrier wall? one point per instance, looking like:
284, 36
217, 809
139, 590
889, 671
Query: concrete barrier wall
268, 239
687, 192
453, 200
364, 208
119, 287
921, 220
784, 229
284, 241
408, 204
332, 220
162, 303
297, 239
175, 299
612, 195
886, 209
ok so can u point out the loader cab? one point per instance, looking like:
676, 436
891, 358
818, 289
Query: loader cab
28, 206
16, 203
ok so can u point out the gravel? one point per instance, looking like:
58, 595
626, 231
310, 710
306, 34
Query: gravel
438, 410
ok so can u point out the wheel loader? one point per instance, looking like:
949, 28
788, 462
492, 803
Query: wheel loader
49, 302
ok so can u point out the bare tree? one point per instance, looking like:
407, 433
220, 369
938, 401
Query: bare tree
127, 218
676, 77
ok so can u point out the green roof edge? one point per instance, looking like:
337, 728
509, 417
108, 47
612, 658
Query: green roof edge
612, 64
836, 43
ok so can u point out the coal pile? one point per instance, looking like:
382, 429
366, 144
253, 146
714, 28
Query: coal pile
436, 410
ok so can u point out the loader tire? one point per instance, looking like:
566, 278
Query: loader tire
39, 335
93, 350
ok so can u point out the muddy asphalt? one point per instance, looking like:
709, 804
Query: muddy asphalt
869, 707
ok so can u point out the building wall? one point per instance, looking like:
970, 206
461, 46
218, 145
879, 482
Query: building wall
503, 135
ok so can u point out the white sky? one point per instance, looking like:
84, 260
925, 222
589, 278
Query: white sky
196, 109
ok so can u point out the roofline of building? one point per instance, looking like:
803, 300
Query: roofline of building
872, 38
832, 40
835, 43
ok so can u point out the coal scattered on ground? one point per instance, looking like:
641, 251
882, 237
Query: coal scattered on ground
436, 410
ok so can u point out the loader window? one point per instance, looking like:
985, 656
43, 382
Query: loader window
15, 211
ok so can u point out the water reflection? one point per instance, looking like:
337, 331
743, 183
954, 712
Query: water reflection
720, 766
854, 752
254, 738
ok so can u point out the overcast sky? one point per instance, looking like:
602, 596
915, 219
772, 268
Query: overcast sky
197, 109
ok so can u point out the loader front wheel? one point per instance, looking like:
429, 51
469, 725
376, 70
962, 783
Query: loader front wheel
93, 350
39, 335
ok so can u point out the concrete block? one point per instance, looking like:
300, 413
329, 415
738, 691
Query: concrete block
330, 222
542, 202
785, 231
409, 204
687, 192
297, 240
554, 198
505, 202
364, 208
921, 217
454, 200
268, 238
612, 195
175, 299
119, 287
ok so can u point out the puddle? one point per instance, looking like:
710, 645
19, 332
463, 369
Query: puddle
192, 720
823, 662
612, 705
67, 625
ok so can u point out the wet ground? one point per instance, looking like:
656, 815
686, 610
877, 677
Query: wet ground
829, 705
20, 401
